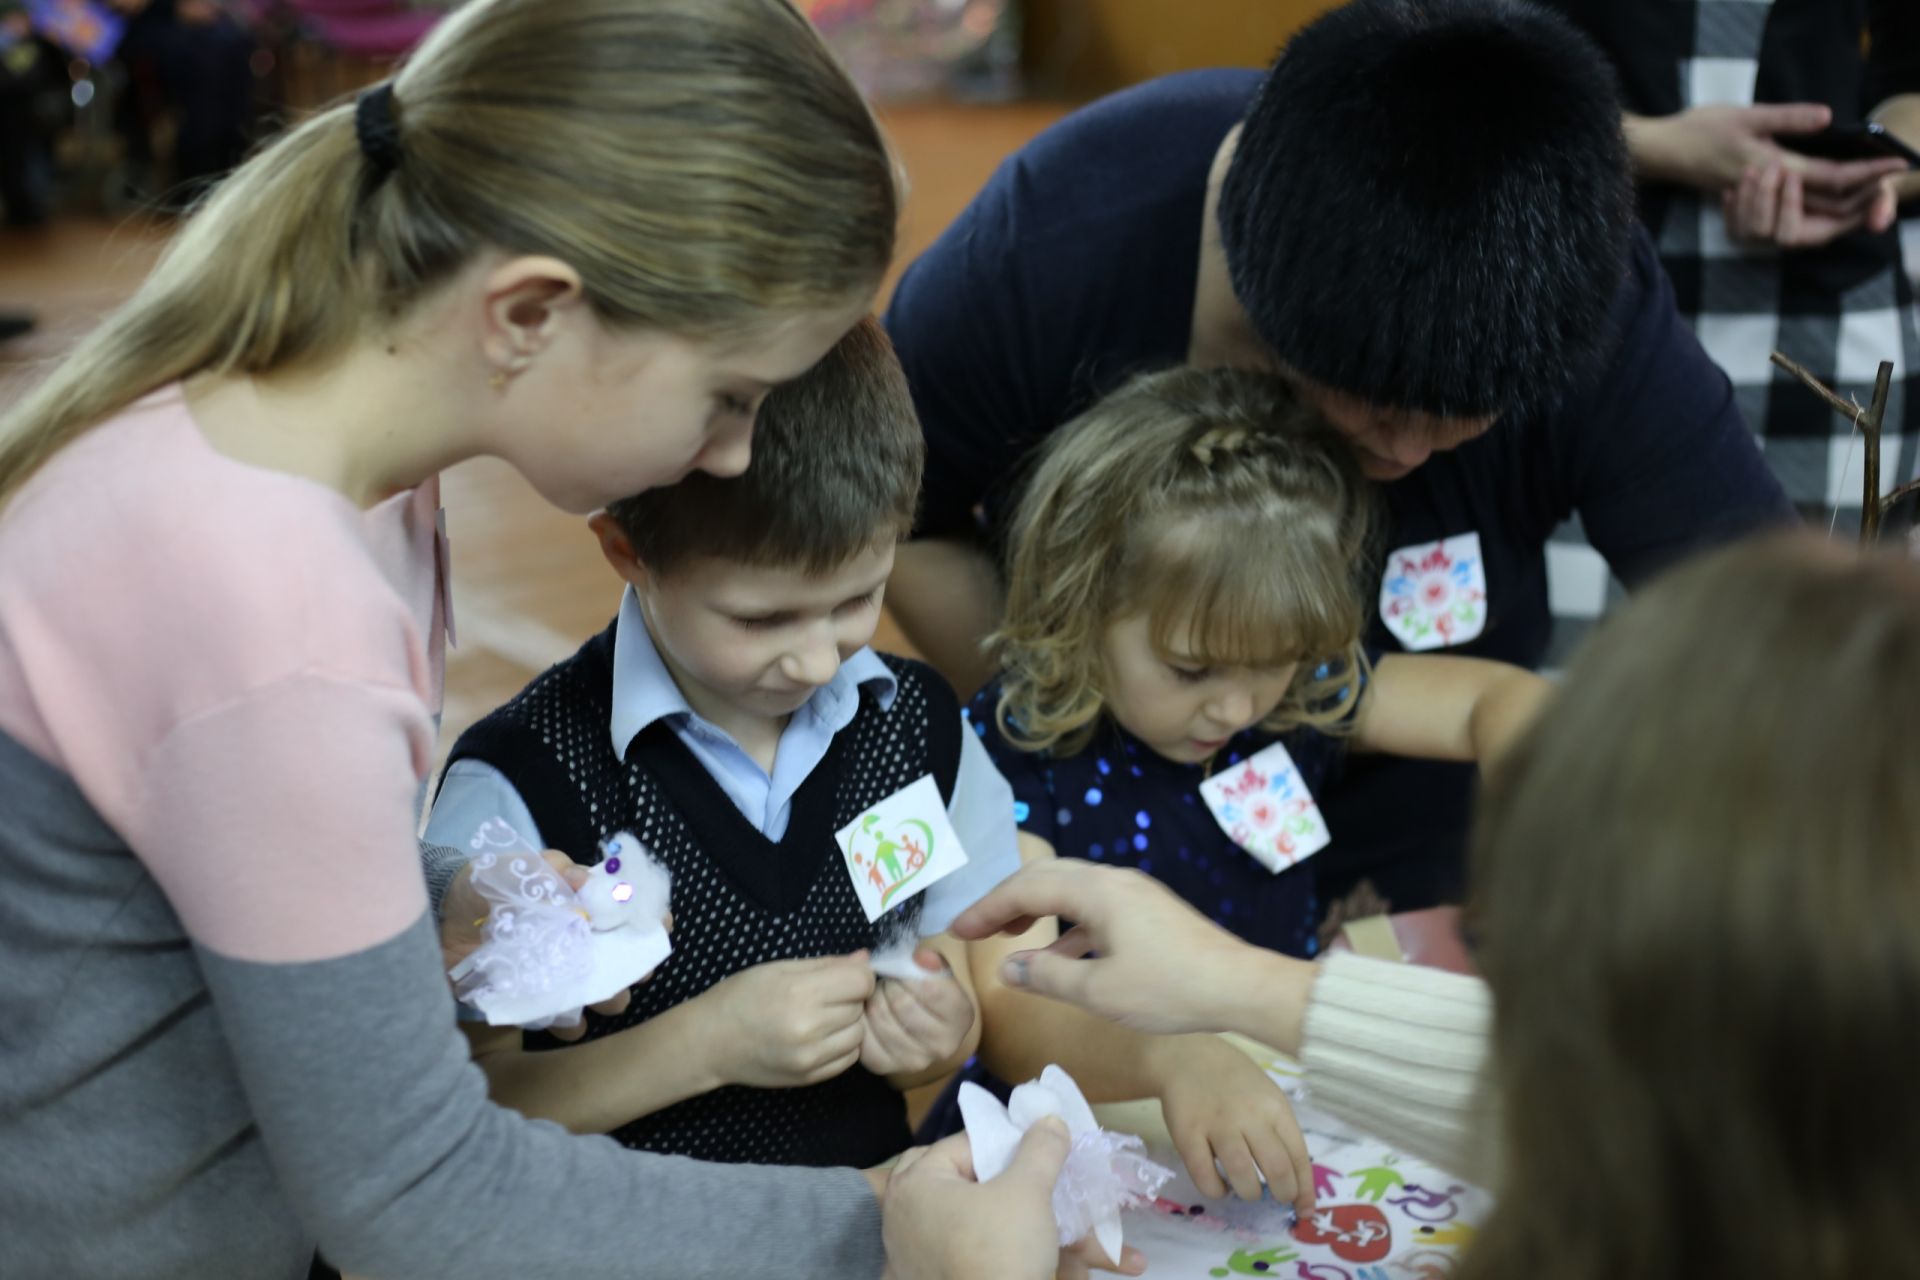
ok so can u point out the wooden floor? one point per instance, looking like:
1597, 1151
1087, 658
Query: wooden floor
529, 584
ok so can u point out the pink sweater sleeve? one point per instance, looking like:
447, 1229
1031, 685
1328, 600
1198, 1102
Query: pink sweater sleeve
218, 659
280, 825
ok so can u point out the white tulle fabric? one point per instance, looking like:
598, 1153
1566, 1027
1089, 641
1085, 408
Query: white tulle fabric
538, 939
1104, 1174
548, 951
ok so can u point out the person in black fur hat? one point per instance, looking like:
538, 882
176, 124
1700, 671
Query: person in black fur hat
1469, 173
1422, 213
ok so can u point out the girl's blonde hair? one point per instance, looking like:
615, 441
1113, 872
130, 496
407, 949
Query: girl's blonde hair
1210, 500
700, 163
1697, 886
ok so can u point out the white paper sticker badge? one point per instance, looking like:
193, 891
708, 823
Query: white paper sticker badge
900, 847
1434, 594
1264, 806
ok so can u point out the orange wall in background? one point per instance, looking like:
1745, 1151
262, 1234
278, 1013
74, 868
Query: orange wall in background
1085, 47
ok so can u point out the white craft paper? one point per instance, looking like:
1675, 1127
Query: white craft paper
1103, 1175
620, 958
900, 847
549, 951
1264, 806
1434, 594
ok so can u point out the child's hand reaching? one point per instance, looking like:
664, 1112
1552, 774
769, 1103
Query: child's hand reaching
911, 1026
1221, 1106
786, 1023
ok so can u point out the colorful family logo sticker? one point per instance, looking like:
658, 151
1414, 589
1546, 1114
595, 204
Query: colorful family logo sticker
1355, 1232
1264, 807
1434, 594
900, 847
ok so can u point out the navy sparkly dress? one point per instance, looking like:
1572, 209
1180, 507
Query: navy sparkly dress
1119, 801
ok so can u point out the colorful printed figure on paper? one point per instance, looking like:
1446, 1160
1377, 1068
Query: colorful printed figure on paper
1322, 1271
1435, 594
1256, 1262
1427, 1265
1448, 1236
1355, 1232
890, 863
1323, 1177
1423, 1205
1377, 1181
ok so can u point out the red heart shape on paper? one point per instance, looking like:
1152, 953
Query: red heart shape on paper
1355, 1232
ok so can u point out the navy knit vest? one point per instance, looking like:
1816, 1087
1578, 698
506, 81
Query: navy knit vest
739, 899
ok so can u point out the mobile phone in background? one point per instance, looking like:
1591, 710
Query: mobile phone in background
1851, 142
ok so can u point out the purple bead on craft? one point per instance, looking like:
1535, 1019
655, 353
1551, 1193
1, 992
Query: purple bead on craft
613, 866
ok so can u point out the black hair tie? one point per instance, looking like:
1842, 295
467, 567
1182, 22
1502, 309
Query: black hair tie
378, 131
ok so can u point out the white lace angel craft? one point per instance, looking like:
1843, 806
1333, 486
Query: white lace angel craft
549, 951
1104, 1173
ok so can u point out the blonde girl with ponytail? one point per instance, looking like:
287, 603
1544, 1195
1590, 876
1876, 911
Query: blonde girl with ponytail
584, 236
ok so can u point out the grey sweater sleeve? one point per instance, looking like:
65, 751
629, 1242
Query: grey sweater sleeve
440, 864
383, 1139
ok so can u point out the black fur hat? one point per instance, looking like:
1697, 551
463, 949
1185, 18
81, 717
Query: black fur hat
1429, 204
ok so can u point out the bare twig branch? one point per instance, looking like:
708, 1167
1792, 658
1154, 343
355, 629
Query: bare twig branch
1870, 503
1851, 412
1868, 420
1898, 496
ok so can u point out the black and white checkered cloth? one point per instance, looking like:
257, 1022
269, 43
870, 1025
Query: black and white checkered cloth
1839, 311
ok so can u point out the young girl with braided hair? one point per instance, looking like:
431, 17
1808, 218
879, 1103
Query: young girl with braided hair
1181, 657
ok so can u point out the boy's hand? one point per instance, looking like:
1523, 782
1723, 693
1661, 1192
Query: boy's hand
1221, 1106
912, 1025
787, 1023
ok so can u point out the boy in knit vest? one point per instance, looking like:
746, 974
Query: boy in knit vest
734, 719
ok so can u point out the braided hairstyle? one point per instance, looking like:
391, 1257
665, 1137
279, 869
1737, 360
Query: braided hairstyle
1216, 503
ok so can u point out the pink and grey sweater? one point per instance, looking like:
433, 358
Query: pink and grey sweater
224, 1034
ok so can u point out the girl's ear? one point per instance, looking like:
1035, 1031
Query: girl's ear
618, 550
526, 301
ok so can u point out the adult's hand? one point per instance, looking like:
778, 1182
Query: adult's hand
1773, 205
463, 912
942, 1224
1139, 955
1712, 148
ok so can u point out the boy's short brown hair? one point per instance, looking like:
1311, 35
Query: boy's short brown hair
837, 455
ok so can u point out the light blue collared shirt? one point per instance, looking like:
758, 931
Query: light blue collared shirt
644, 691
